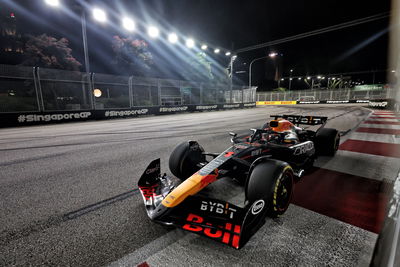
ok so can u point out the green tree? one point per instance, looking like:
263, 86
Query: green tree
131, 55
201, 67
50, 52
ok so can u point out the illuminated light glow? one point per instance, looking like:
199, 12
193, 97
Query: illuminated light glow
393, 71
228, 53
172, 38
333, 78
217, 50
291, 70
282, 79
308, 78
319, 77
234, 57
128, 24
274, 54
204, 47
99, 15
290, 79
323, 78
97, 92
299, 78
12, 15
53, 3
190, 43
153, 32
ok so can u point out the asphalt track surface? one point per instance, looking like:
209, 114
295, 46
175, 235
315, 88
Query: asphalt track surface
69, 196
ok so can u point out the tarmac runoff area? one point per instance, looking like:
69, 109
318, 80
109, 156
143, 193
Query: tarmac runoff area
69, 197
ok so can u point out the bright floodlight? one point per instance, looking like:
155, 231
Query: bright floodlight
172, 38
97, 92
228, 53
273, 54
319, 77
308, 77
291, 70
217, 50
99, 15
53, 3
190, 43
393, 71
128, 24
282, 79
299, 78
204, 47
153, 32
290, 79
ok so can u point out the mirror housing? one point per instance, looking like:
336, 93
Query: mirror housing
233, 136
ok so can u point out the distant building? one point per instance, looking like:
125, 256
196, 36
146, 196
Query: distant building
11, 41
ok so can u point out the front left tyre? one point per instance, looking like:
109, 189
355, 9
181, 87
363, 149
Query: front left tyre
271, 182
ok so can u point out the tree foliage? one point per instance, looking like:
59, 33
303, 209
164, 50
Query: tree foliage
131, 55
50, 52
200, 67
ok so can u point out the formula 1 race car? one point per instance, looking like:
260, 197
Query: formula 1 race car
266, 162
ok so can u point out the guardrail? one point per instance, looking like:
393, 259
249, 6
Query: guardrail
24, 89
327, 94
32, 118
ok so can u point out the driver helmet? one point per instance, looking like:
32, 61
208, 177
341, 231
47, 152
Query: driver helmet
283, 126
290, 137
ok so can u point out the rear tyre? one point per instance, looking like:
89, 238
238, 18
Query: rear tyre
327, 141
271, 181
185, 158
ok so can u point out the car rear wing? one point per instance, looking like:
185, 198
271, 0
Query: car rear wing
300, 119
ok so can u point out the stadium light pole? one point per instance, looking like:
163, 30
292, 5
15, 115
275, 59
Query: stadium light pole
271, 55
290, 79
232, 59
56, 4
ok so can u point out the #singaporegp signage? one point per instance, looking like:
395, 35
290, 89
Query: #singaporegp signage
31, 118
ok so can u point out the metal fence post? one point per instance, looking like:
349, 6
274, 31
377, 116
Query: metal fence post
40, 90
201, 93
130, 91
150, 95
159, 92
36, 88
91, 88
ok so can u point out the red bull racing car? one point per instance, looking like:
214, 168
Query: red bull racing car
266, 163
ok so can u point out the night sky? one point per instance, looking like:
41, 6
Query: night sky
228, 24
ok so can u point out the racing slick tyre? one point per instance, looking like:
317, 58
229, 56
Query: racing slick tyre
271, 181
184, 160
327, 141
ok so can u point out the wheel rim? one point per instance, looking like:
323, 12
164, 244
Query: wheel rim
284, 191
337, 140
